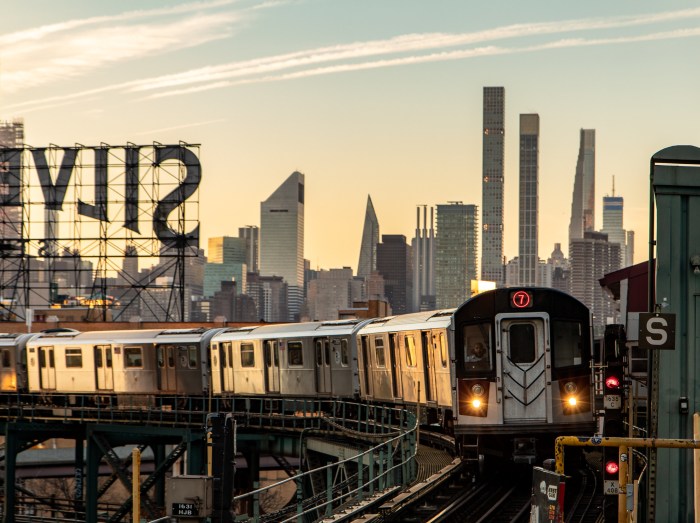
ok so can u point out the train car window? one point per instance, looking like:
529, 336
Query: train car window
74, 358
171, 356
344, 353
247, 355
160, 356
98, 357
344, 359
223, 355
133, 357
521, 342
229, 345
477, 347
192, 353
410, 349
108, 357
295, 353
567, 343
42, 357
327, 351
319, 352
443, 349
6, 358
379, 351
267, 353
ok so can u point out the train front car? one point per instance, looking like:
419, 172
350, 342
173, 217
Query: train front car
522, 365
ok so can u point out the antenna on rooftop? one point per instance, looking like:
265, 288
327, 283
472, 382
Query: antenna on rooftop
613, 185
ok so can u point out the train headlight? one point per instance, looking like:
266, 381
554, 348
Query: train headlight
473, 397
574, 395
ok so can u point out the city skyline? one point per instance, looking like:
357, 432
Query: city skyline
388, 106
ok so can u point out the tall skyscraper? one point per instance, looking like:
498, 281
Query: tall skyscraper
529, 169
370, 239
455, 253
394, 264
583, 202
424, 262
251, 235
282, 239
492, 185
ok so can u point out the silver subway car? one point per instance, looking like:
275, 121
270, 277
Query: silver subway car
139, 362
299, 359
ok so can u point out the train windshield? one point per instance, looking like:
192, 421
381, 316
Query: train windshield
477, 347
567, 343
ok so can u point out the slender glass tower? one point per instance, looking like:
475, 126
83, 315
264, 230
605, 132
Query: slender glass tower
529, 169
282, 239
492, 186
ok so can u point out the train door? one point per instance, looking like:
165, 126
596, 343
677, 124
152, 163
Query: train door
323, 365
366, 365
165, 355
47, 368
272, 365
428, 365
524, 368
103, 367
393, 361
226, 358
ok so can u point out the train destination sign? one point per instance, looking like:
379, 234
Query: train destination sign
657, 331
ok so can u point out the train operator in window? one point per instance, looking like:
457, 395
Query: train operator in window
477, 357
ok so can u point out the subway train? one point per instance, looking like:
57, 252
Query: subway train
503, 372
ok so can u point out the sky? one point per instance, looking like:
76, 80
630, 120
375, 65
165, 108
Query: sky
365, 97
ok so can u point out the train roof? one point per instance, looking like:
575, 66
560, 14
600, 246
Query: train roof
121, 336
290, 330
423, 319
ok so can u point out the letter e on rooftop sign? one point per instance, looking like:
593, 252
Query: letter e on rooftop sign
657, 331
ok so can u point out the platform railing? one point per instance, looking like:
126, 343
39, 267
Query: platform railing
388, 461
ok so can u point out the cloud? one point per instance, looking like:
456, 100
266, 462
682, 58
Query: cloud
226, 75
178, 127
55, 52
130, 42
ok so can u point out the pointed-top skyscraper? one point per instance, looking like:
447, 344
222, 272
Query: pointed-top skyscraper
370, 239
282, 239
583, 203
492, 185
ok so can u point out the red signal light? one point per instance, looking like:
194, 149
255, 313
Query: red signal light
612, 382
611, 467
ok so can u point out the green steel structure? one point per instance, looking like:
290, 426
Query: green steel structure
674, 389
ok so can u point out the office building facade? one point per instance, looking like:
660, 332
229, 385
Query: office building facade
591, 258
282, 239
455, 253
394, 264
